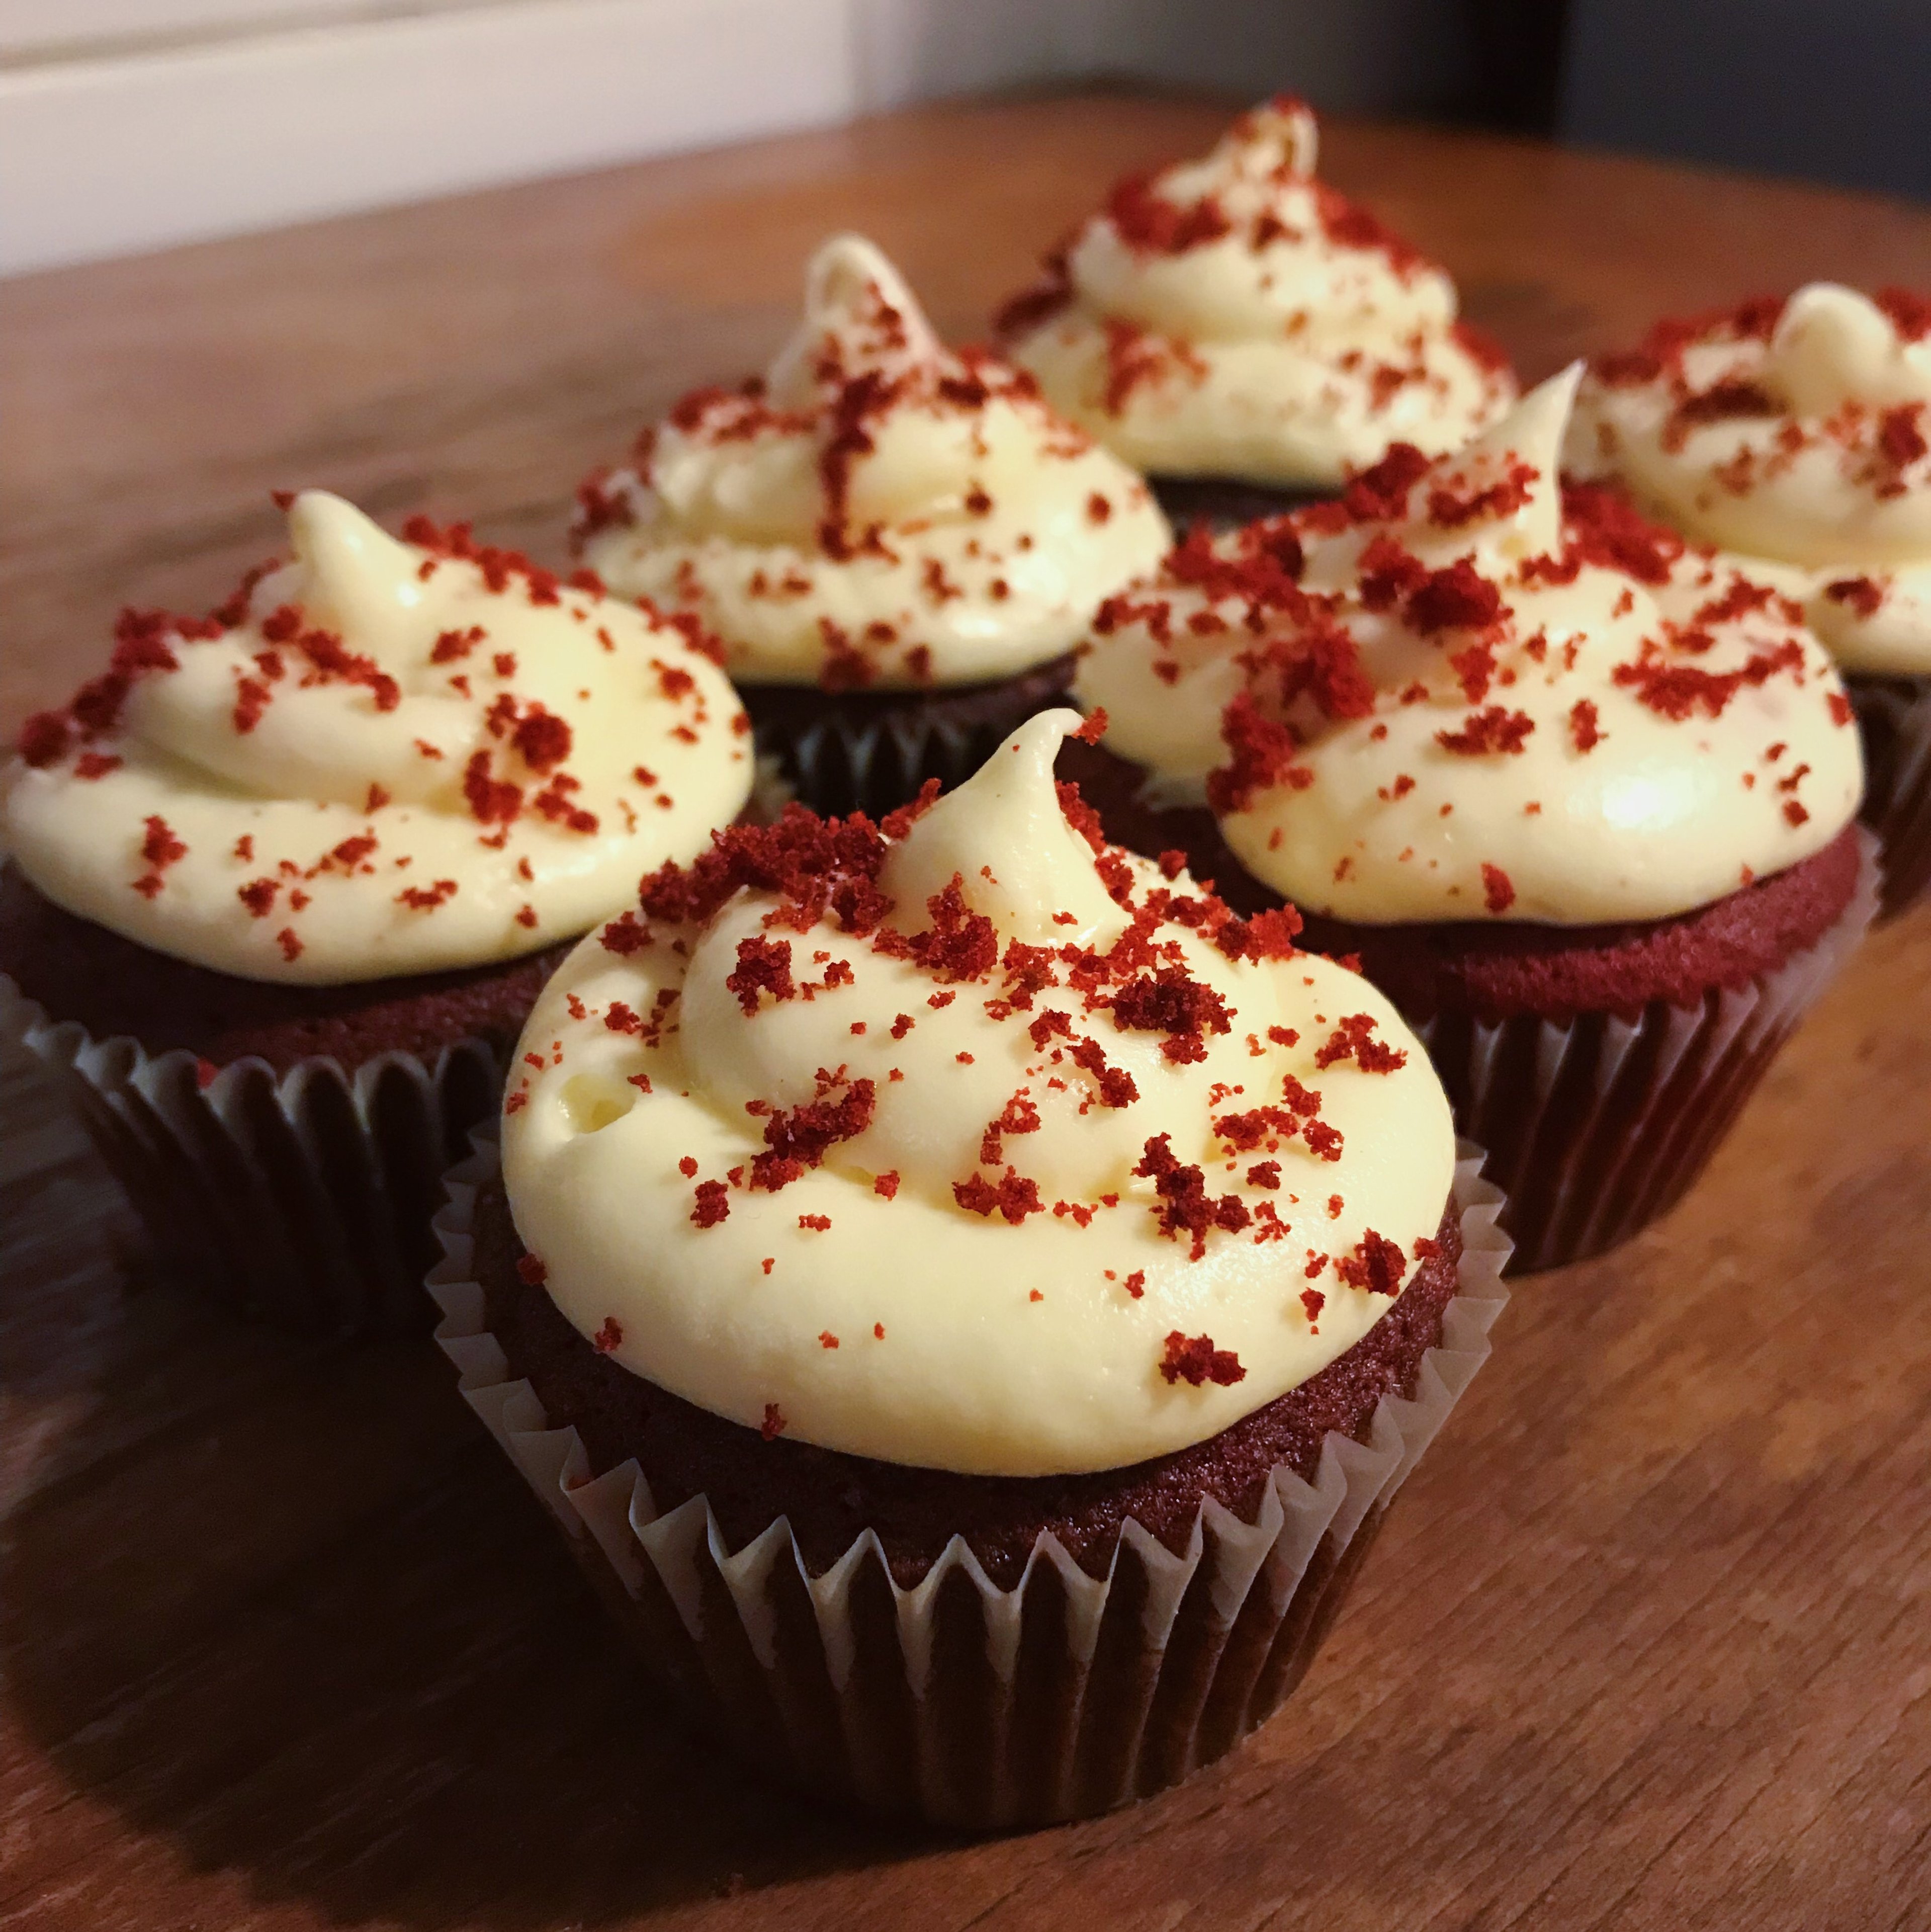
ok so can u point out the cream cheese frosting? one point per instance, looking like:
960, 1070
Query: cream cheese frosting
379, 758
1236, 317
1461, 694
973, 1145
1794, 434
878, 510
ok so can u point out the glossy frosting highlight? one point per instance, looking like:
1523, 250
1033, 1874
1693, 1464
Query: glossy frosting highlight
380, 757
1456, 695
1236, 317
879, 511
1794, 434
992, 1151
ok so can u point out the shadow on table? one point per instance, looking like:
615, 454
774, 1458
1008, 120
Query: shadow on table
310, 1628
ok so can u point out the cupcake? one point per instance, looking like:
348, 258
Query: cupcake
898, 543
284, 881
968, 1297
1247, 335
1794, 434
1578, 795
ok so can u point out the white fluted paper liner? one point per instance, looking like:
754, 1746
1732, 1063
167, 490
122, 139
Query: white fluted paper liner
1597, 1126
1277, 1582
304, 1198
1894, 716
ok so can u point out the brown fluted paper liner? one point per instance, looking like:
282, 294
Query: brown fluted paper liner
1894, 716
871, 751
954, 1700
304, 1199
1596, 1127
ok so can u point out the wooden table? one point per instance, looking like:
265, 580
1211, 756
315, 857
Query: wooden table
287, 1645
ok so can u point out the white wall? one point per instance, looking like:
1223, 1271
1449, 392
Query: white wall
128, 125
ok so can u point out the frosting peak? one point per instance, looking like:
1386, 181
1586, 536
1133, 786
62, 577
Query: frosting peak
1793, 433
1833, 346
879, 509
1464, 693
379, 758
1235, 316
1045, 890
860, 314
876, 1170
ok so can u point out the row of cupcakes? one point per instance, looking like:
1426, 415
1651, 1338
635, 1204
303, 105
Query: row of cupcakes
1042, 1522
1204, 1272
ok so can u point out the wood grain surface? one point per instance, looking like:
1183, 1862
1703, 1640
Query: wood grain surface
287, 1645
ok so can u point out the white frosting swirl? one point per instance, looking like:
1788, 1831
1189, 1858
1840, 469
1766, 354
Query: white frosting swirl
1448, 698
1236, 317
382, 757
1796, 434
973, 1276
879, 511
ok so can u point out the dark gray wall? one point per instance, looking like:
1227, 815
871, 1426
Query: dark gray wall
1835, 92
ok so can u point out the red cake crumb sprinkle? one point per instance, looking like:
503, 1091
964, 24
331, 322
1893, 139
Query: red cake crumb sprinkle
542, 739
711, 1204
1263, 753
258, 896
1353, 1040
160, 849
1449, 510
1602, 527
1862, 594
773, 1424
1269, 935
1136, 1283
887, 1184
625, 935
827, 1339
764, 966
1377, 1263
610, 1337
1676, 690
1583, 727
688, 1168
1313, 1301
1195, 1360
799, 1138
1012, 1197
815, 1224
491, 801
1093, 727
1492, 731
1380, 494
1185, 1205
1458, 598
1498, 891
531, 1270
1900, 439
1148, 222
1842, 712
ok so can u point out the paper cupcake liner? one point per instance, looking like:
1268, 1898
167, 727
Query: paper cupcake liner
1894, 716
954, 1700
304, 1199
872, 752
1597, 1128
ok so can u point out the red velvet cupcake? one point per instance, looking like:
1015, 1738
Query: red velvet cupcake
1247, 336
284, 882
1577, 795
897, 544
1793, 434
1036, 1527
